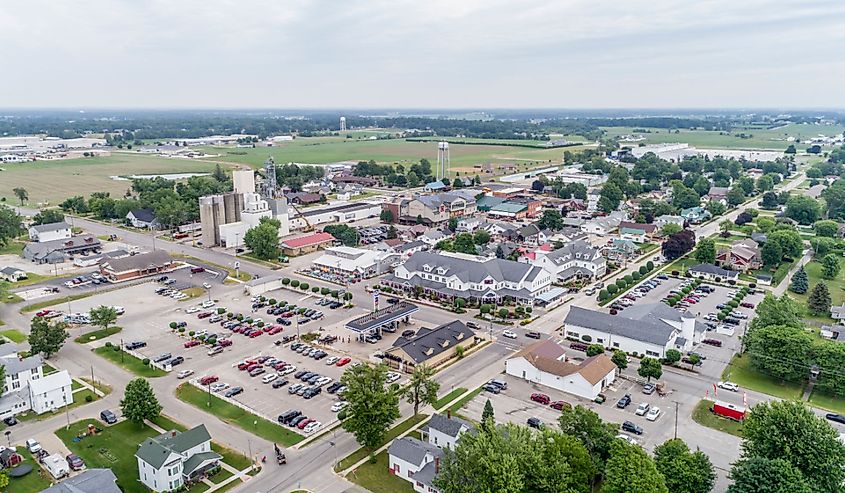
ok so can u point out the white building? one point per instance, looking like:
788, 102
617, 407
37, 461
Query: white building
48, 232
577, 259
667, 219
604, 225
255, 208
355, 263
474, 278
544, 363
27, 389
167, 461
649, 328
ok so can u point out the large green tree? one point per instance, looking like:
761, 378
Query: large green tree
790, 431
818, 303
551, 219
684, 471
789, 240
630, 469
705, 252
829, 356
47, 338
10, 225
48, 216
777, 311
650, 368
830, 266
771, 254
780, 351
827, 228
103, 316
139, 401
372, 408
588, 428
422, 388
263, 239
21, 194
799, 284
802, 208
762, 475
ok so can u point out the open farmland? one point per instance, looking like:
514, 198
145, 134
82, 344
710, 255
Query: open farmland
318, 150
55, 180
772, 139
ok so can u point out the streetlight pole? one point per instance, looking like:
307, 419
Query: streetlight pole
676, 419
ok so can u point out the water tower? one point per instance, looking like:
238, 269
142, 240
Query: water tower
444, 163
343, 124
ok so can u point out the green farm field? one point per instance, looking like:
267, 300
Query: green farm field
773, 139
55, 180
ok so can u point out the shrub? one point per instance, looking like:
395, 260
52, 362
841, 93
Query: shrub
612, 289
191, 333
629, 279
643, 270
294, 283
273, 301
304, 286
181, 330
733, 304
108, 344
528, 309
586, 338
603, 295
732, 282
315, 290
285, 281
519, 310
325, 291
173, 325
721, 316
637, 276
752, 286
621, 283
262, 298
221, 311
89, 398
116, 348
486, 308
211, 340
650, 265
145, 361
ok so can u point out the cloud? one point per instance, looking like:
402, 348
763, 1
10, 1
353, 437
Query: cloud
401, 53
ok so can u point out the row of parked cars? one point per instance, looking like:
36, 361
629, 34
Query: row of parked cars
638, 292
295, 419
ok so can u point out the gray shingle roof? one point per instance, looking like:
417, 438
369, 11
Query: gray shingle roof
647, 329
449, 426
580, 250
141, 261
88, 481
42, 228
432, 340
714, 270
412, 450
469, 270
10, 270
155, 451
145, 215
14, 365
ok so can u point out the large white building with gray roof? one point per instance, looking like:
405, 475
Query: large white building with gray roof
474, 278
575, 260
650, 329
27, 389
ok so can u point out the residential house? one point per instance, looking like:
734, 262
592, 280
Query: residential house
57, 251
431, 347
43, 233
833, 332
137, 266
88, 481
634, 234
143, 218
25, 387
644, 328
837, 312
575, 260
506, 247
712, 272
432, 236
604, 225
718, 194
621, 250
695, 215
168, 461
435, 186
498, 230
474, 278
410, 248
445, 431
566, 235
667, 219
468, 224
648, 230
815, 191
545, 363
12, 274
742, 256
307, 244
532, 235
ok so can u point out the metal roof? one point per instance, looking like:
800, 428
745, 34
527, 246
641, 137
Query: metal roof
382, 317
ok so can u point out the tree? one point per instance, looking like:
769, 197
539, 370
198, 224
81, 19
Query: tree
819, 301
678, 244
777, 311
372, 406
705, 252
347, 235
822, 245
594, 350
790, 431
487, 416
765, 183
48, 216
551, 219
830, 266
500, 253
631, 469
826, 228
799, 283
103, 316
386, 216
802, 208
588, 428
481, 237
620, 359
715, 208
139, 401
263, 239
789, 240
684, 471
422, 388
452, 224
780, 351
765, 224
771, 254
46, 339
684, 197
763, 475
770, 200
219, 174
650, 368
735, 196
392, 234
413, 179
834, 197
670, 228
10, 225
672, 357
21, 194
610, 197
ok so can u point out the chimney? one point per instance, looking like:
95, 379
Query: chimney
173, 433
449, 413
436, 465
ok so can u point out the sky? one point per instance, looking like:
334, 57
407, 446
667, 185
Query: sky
422, 54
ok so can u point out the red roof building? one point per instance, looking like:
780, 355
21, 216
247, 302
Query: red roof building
307, 244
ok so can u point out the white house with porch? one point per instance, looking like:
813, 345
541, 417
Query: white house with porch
168, 461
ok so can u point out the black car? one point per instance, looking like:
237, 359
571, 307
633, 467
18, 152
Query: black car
632, 428
135, 345
177, 361
313, 378
835, 417
624, 401
10, 421
280, 383
408, 333
108, 417
162, 357
287, 416
331, 389
234, 391
305, 376
312, 392
295, 421
535, 423
533, 335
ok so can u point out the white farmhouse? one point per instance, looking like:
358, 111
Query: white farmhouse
48, 232
27, 389
544, 363
168, 461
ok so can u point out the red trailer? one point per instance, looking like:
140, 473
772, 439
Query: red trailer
727, 410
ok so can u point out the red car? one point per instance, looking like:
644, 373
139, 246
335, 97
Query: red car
541, 398
197, 270
255, 333
559, 405
302, 424
747, 305
279, 365
208, 379
42, 313
192, 343
224, 342
275, 330
203, 315
343, 361
244, 364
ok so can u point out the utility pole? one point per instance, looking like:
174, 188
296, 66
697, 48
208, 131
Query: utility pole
121, 355
676, 419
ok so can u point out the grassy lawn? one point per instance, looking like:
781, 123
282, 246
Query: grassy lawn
235, 459
237, 416
647, 247
681, 265
702, 415
221, 476
31, 278
97, 334
6, 296
449, 398
14, 335
37, 480
740, 372
835, 286
113, 448
13, 247
392, 433
79, 399
825, 401
376, 477
193, 293
44, 304
102, 387
129, 362
48, 369
463, 402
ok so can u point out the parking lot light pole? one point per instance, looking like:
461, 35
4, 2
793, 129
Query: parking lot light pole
676, 419
209, 394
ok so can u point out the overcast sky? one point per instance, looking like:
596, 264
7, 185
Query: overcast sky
422, 54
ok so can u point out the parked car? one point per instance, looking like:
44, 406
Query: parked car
162, 357
33, 446
559, 405
534, 422
649, 388
279, 383
218, 386
493, 389
135, 345
839, 418
75, 462
177, 361
628, 438
728, 386
184, 374
541, 398
209, 379
712, 342
234, 391
653, 414
642, 409
338, 406
632, 428
624, 401
269, 377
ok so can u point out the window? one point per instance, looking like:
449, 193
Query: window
615, 344
652, 353
600, 341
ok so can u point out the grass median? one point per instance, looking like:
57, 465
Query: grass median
14, 335
703, 416
234, 415
128, 362
97, 335
446, 399
740, 372
454, 408
392, 433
